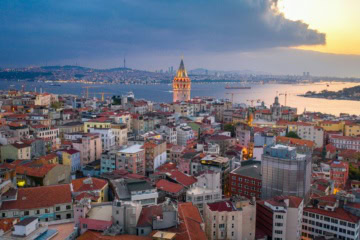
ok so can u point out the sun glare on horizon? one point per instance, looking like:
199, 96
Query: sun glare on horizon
338, 19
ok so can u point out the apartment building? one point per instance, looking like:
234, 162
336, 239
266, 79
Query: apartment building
155, 154
107, 137
230, 219
132, 159
30, 202
207, 189
121, 134
331, 216
308, 131
345, 142
280, 218
285, 172
184, 134
15, 151
246, 181
88, 144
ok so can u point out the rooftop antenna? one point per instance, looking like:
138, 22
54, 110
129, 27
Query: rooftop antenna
124, 62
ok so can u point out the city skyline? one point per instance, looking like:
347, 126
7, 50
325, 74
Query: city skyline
256, 35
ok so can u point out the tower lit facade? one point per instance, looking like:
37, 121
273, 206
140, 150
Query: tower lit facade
181, 84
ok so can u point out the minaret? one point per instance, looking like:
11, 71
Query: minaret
181, 84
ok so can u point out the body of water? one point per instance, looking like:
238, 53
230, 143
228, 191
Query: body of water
163, 93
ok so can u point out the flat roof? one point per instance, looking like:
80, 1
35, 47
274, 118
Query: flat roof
101, 212
252, 171
132, 149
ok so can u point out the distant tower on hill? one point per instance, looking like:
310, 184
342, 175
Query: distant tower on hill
181, 84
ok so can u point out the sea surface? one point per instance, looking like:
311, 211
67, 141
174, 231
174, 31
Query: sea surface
258, 93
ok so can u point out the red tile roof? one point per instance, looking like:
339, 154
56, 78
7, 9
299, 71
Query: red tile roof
88, 184
34, 169
339, 213
92, 235
70, 151
92, 197
166, 167
147, 214
181, 178
39, 197
167, 186
330, 148
222, 206
294, 141
190, 223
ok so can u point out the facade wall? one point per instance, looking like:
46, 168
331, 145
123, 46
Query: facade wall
245, 186
285, 177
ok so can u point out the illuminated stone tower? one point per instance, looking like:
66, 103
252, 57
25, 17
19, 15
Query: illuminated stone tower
181, 84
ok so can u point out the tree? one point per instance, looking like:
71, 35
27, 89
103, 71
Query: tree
292, 134
55, 105
230, 128
354, 173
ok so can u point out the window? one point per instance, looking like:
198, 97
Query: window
68, 216
278, 232
57, 209
279, 216
85, 225
233, 218
26, 213
38, 211
68, 207
221, 225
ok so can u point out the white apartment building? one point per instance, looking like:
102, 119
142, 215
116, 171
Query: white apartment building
45, 132
207, 189
308, 131
280, 217
107, 137
344, 142
332, 216
209, 148
230, 220
169, 133
184, 134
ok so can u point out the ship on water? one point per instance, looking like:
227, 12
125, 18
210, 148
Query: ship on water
236, 87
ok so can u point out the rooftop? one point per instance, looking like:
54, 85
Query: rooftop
252, 171
132, 149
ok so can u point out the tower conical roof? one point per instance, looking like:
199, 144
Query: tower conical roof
181, 72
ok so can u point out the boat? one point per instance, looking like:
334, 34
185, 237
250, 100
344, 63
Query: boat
237, 87
55, 85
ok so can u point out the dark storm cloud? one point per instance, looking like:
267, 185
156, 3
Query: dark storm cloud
35, 31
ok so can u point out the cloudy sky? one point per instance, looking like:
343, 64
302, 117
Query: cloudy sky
280, 37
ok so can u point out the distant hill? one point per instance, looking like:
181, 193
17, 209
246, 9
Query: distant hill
18, 75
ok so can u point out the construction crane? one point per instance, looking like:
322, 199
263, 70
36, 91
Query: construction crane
232, 96
103, 95
284, 94
253, 100
87, 90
